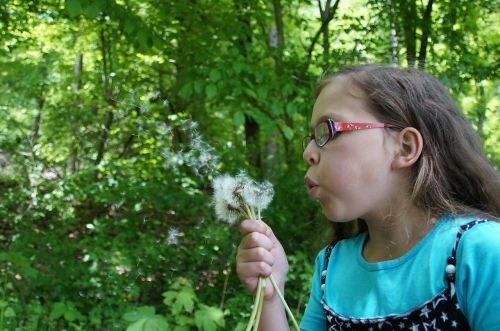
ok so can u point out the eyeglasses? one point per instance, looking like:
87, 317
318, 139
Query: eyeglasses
327, 130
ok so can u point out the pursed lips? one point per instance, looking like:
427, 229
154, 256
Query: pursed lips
312, 187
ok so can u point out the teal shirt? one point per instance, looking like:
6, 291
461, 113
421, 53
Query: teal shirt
359, 289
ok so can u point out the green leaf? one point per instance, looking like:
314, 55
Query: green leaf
209, 318
139, 313
69, 315
211, 91
214, 75
250, 92
9, 312
291, 108
3, 304
186, 91
169, 297
156, 323
238, 118
276, 108
129, 26
238, 67
73, 7
93, 10
138, 325
198, 86
58, 310
186, 299
262, 92
287, 132
152, 323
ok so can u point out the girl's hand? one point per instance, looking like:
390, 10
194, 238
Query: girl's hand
260, 254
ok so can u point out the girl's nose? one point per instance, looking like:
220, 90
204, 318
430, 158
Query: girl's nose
311, 155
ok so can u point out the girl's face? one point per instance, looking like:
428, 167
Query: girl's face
351, 175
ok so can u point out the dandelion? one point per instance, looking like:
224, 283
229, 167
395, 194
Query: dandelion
173, 236
238, 197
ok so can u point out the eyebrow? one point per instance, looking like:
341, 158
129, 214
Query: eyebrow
334, 117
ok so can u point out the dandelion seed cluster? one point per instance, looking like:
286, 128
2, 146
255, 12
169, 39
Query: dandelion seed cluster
240, 196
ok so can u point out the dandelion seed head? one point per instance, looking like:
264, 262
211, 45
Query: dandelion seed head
265, 193
226, 212
226, 202
258, 195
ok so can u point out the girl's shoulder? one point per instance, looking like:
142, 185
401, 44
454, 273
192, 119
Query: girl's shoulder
471, 237
469, 228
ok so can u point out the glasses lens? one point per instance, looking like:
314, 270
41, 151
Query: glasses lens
322, 133
306, 141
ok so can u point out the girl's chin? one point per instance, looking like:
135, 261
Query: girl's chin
334, 215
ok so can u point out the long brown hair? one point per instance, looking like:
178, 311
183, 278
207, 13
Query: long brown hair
453, 174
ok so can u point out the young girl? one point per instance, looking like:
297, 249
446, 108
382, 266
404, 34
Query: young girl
390, 147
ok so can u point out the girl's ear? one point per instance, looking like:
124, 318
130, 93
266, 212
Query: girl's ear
410, 144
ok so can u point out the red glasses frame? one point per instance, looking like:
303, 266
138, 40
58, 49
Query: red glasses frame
334, 127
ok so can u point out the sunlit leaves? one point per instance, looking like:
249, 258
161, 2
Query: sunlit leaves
145, 319
209, 318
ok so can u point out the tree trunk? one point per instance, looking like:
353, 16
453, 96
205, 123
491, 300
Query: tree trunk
410, 27
324, 25
426, 29
107, 68
72, 162
325, 14
393, 36
481, 110
278, 18
252, 128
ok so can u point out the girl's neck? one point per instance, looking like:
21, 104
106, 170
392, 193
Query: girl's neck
393, 236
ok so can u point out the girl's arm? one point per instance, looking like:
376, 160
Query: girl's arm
261, 254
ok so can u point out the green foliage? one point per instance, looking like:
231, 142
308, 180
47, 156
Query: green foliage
184, 312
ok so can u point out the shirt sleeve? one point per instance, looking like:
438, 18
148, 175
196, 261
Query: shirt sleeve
478, 276
314, 316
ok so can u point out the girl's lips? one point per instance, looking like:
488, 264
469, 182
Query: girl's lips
313, 192
312, 186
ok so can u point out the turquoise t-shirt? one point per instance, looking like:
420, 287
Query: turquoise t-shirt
359, 289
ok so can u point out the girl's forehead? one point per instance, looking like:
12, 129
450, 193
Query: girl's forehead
341, 101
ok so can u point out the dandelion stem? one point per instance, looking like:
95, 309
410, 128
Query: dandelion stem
258, 294
290, 314
262, 284
249, 212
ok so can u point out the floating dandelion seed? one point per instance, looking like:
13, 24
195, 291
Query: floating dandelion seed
173, 236
201, 156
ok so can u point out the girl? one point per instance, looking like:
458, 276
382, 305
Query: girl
390, 147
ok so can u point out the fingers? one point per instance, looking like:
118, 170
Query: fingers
249, 226
256, 239
252, 270
257, 254
249, 274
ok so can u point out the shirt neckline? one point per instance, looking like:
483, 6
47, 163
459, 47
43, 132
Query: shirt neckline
388, 264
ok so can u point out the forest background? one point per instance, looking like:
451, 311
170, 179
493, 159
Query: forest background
116, 114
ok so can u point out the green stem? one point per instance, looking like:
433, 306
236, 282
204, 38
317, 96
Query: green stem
258, 294
262, 284
290, 314
249, 212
